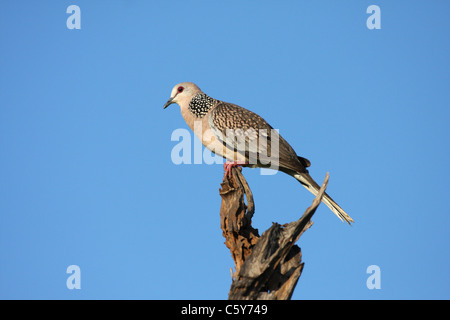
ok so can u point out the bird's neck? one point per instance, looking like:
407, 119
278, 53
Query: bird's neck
201, 104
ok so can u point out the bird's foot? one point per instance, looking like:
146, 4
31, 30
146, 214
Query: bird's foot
228, 165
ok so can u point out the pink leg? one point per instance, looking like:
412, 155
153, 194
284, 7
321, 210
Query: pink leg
228, 165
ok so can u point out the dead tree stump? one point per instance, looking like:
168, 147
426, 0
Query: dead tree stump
267, 267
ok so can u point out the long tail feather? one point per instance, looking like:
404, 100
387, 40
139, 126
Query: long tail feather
309, 183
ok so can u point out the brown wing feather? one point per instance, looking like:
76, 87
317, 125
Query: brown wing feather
230, 116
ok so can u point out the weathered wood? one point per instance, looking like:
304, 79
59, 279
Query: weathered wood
236, 218
266, 266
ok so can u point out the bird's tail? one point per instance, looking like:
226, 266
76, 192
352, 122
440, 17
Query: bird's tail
309, 183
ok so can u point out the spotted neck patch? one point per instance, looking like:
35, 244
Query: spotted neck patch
200, 104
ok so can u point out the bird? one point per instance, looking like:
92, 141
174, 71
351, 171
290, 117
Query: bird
243, 138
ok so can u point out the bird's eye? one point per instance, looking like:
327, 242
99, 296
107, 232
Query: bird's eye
180, 89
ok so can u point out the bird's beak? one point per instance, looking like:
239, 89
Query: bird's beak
169, 102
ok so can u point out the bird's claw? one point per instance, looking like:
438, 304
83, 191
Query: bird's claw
228, 165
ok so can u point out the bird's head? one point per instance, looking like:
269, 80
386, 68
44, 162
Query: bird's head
182, 94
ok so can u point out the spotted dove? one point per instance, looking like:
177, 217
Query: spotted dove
243, 138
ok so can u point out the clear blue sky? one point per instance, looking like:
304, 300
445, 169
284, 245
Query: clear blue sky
86, 176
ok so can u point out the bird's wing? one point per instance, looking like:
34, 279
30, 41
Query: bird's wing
247, 133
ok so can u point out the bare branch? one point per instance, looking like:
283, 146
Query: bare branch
267, 266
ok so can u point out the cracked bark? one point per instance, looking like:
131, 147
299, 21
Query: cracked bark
267, 267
